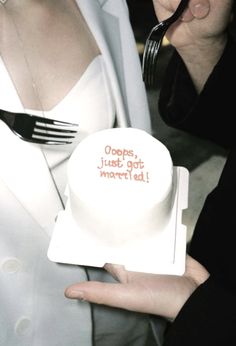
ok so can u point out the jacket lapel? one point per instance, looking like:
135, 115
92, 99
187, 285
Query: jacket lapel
25, 172
105, 28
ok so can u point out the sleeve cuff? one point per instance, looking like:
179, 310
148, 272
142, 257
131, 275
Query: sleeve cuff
207, 318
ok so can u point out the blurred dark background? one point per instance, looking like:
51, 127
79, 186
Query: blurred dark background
142, 17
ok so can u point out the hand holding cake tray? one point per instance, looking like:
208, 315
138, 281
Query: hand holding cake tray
125, 203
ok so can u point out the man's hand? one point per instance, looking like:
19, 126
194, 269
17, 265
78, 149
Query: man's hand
203, 21
200, 33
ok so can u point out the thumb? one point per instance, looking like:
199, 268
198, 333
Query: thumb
200, 8
111, 294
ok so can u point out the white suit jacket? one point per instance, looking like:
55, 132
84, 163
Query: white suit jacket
33, 310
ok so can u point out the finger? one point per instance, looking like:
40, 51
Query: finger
196, 271
117, 271
187, 16
117, 295
196, 9
199, 8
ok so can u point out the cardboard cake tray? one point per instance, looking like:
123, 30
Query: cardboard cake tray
163, 253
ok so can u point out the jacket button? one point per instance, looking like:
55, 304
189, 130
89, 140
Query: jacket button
11, 265
23, 326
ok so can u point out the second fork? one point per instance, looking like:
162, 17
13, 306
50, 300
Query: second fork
153, 43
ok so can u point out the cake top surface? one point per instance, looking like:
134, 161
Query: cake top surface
122, 164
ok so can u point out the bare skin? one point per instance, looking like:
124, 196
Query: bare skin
148, 293
45, 44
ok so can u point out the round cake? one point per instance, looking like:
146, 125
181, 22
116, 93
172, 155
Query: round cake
120, 184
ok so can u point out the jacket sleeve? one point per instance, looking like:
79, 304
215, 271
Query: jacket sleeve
207, 319
210, 114
209, 315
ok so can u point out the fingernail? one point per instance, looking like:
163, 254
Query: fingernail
75, 294
201, 10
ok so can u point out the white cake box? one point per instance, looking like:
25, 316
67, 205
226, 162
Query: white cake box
91, 231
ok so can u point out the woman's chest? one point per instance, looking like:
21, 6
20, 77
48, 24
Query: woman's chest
46, 49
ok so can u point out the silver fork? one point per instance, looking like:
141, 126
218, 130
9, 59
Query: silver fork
36, 129
153, 43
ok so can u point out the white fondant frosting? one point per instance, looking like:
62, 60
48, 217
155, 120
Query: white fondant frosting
120, 184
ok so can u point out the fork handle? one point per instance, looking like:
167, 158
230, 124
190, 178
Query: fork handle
179, 10
7, 117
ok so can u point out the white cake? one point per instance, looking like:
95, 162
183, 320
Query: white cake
120, 184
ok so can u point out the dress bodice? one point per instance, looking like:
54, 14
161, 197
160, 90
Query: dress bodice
89, 104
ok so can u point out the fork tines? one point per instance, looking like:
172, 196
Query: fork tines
54, 131
149, 66
41, 130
